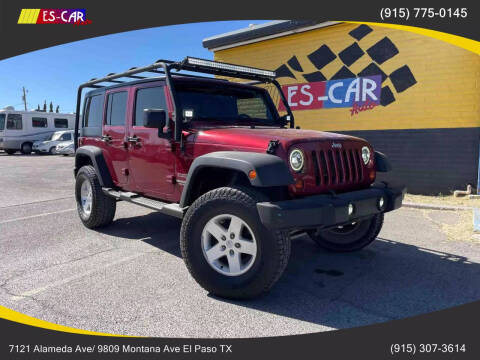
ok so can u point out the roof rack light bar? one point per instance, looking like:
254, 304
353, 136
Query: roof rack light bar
240, 69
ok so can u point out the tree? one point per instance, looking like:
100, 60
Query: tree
57, 110
38, 107
45, 106
51, 107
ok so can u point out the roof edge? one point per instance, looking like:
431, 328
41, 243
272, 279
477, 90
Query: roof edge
262, 32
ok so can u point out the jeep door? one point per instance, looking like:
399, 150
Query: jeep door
114, 133
151, 160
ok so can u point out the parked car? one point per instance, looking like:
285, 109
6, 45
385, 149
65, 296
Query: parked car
65, 148
48, 146
218, 155
20, 129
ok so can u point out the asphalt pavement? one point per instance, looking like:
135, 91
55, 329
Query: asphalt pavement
129, 278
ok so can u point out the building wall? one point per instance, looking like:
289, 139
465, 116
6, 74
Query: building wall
428, 116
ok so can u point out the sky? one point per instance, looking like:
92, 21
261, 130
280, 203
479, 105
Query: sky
53, 74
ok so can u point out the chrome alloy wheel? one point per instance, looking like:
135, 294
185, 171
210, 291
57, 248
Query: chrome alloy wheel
86, 197
229, 245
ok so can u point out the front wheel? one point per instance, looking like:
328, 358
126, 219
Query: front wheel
350, 237
227, 249
94, 207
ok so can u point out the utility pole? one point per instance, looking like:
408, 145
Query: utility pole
24, 97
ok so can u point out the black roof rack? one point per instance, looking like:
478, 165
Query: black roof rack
190, 64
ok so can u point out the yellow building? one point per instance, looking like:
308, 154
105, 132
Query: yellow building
413, 97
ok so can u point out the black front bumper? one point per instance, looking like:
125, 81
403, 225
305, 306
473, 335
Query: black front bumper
323, 211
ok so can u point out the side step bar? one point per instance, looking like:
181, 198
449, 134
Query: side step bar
171, 209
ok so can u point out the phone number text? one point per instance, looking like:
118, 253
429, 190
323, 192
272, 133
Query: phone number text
427, 348
405, 13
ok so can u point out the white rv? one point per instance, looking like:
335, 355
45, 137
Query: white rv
20, 129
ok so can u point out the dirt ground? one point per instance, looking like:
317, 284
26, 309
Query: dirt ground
458, 224
443, 200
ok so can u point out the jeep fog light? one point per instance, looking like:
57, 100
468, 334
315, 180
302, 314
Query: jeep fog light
365, 155
350, 209
297, 159
381, 202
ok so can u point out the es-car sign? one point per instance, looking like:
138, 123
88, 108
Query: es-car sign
353, 93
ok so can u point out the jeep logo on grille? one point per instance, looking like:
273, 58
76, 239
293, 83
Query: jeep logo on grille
336, 145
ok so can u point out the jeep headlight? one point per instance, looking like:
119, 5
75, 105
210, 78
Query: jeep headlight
297, 159
365, 155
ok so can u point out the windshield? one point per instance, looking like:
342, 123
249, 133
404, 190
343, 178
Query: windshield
2, 122
55, 136
226, 104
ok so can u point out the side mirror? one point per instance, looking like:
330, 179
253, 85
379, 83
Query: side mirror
154, 118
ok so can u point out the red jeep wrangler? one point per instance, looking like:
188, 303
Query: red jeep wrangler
218, 155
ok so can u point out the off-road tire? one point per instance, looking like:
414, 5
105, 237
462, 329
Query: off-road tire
26, 148
103, 206
362, 236
273, 247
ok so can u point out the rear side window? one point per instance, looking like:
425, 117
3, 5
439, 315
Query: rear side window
148, 98
61, 123
39, 122
14, 121
94, 111
116, 108
2, 121
66, 137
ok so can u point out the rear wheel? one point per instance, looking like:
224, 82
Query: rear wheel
227, 249
94, 207
26, 148
10, 151
350, 237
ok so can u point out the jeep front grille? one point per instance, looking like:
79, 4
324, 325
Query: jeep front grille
337, 166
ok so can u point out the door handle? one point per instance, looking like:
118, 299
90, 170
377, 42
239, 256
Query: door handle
133, 139
106, 138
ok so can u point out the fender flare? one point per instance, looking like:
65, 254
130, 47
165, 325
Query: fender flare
271, 170
95, 155
382, 162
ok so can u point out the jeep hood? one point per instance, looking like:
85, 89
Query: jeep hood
259, 137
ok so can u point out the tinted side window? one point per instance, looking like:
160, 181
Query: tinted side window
66, 137
61, 123
2, 121
116, 108
14, 121
148, 98
39, 122
94, 111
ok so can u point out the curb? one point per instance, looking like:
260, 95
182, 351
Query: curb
435, 207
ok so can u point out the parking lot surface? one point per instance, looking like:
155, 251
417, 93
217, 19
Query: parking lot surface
129, 278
